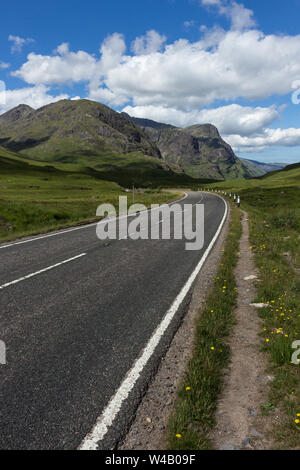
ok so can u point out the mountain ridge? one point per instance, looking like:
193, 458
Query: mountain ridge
198, 149
91, 134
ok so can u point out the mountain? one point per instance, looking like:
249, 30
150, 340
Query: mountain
67, 129
198, 149
260, 168
87, 137
92, 136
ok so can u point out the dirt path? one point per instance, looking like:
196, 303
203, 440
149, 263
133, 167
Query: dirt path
239, 421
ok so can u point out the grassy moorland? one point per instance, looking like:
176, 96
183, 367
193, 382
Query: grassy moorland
36, 198
273, 205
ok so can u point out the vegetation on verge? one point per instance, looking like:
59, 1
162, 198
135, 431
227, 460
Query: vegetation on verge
36, 198
195, 410
273, 205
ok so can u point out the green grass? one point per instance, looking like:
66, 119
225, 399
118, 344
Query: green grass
273, 205
38, 198
197, 399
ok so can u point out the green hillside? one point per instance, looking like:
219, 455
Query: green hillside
36, 197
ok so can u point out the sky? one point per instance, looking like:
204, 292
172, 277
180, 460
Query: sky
235, 65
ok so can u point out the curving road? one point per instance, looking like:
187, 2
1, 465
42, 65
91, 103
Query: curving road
75, 314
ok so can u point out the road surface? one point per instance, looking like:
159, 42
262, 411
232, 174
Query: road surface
76, 313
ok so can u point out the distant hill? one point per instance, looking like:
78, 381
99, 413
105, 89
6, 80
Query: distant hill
287, 175
260, 168
293, 166
198, 149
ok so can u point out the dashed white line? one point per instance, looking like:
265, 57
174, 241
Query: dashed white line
113, 408
41, 271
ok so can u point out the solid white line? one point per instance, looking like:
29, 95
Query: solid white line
111, 411
41, 271
61, 232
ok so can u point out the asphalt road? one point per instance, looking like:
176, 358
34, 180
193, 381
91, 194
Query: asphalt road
74, 331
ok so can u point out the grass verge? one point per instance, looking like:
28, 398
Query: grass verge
275, 235
273, 205
194, 416
36, 200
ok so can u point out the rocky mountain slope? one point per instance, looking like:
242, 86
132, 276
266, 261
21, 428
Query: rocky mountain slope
198, 149
90, 134
67, 129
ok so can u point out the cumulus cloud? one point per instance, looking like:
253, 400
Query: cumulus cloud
65, 66
188, 75
240, 16
112, 51
18, 43
267, 138
221, 66
148, 44
231, 119
35, 97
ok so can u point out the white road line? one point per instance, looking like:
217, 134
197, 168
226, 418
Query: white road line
41, 271
61, 232
111, 411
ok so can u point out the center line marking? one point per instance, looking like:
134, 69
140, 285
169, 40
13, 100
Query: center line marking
41, 271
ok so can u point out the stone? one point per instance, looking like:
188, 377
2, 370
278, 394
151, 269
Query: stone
246, 442
265, 378
228, 447
252, 412
260, 305
257, 434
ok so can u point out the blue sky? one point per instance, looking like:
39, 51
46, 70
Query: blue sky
180, 61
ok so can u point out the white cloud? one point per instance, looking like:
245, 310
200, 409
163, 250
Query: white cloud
148, 44
221, 66
18, 43
231, 119
189, 24
4, 65
240, 16
65, 66
112, 50
267, 138
224, 66
35, 97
